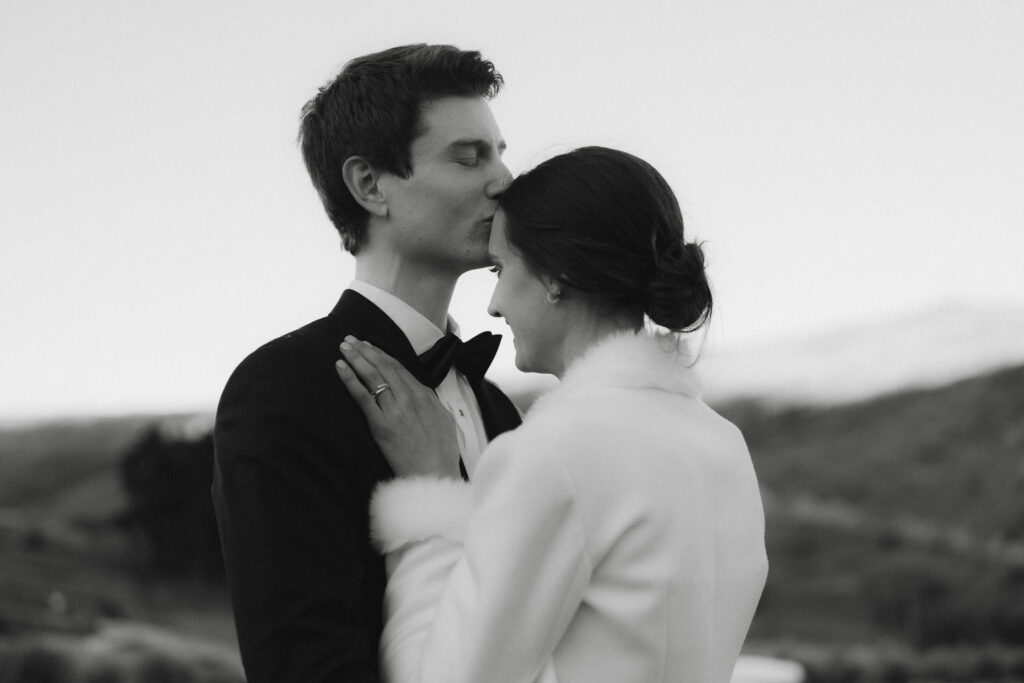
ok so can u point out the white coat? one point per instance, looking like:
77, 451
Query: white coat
617, 536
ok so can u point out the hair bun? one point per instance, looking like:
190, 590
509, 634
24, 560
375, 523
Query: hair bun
678, 296
608, 225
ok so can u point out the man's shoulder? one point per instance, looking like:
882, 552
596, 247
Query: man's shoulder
293, 347
301, 340
302, 361
296, 361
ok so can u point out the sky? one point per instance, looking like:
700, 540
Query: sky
843, 162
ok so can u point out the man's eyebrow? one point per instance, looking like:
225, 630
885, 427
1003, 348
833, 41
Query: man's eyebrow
479, 143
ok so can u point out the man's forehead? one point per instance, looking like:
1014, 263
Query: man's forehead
455, 121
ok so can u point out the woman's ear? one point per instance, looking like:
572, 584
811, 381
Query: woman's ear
555, 287
363, 181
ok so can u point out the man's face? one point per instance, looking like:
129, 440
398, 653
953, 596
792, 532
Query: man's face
441, 214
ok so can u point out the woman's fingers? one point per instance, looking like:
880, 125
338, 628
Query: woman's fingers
366, 369
390, 369
359, 393
414, 431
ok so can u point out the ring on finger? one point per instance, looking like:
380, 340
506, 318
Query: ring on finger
381, 388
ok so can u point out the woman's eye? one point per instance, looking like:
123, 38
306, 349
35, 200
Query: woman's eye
469, 161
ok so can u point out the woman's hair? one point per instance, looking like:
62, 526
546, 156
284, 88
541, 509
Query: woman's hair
605, 222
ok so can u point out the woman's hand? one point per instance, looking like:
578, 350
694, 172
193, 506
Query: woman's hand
411, 427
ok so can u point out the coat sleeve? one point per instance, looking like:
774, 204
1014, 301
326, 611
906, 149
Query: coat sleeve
287, 508
490, 600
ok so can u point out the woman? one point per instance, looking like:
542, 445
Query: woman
618, 535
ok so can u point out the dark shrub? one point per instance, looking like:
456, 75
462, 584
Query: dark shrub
168, 484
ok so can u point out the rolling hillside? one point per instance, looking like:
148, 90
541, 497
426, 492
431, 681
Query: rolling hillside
896, 519
42, 459
951, 456
926, 349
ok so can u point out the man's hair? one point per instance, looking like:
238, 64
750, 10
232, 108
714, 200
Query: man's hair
372, 110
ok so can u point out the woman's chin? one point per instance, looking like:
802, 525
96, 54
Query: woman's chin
540, 362
521, 364
524, 364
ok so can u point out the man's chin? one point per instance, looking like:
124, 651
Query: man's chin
477, 259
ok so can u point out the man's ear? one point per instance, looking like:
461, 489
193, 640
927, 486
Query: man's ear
362, 180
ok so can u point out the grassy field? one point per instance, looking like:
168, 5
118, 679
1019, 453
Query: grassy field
895, 532
76, 601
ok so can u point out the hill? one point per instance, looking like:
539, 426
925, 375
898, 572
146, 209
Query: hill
63, 469
926, 349
895, 519
951, 456
898, 518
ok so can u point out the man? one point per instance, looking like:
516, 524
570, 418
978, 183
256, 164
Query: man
406, 157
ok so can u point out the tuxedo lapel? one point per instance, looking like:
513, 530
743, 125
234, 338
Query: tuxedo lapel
497, 410
355, 314
359, 317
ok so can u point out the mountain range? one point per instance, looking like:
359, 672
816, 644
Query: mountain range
931, 348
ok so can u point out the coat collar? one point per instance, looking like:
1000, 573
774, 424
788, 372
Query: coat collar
641, 360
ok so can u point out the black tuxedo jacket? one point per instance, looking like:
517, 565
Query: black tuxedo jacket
294, 469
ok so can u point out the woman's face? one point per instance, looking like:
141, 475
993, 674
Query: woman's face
538, 327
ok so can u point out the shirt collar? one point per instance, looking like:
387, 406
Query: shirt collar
421, 333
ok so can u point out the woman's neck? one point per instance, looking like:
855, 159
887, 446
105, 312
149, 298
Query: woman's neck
590, 330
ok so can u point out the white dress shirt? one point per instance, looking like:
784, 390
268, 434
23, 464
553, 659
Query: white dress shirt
454, 390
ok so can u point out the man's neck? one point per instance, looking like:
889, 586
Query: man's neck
425, 289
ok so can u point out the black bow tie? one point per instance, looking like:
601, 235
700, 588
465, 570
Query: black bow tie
471, 358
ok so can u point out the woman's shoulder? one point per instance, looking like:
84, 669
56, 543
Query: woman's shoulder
627, 389
579, 426
578, 423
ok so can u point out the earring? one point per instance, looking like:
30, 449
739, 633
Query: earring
553, 297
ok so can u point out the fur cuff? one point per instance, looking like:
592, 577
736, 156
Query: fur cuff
416, 508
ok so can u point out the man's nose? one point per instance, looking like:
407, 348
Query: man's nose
500, 182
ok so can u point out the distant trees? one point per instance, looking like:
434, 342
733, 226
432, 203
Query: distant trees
933, 604
918, 597
167, 479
